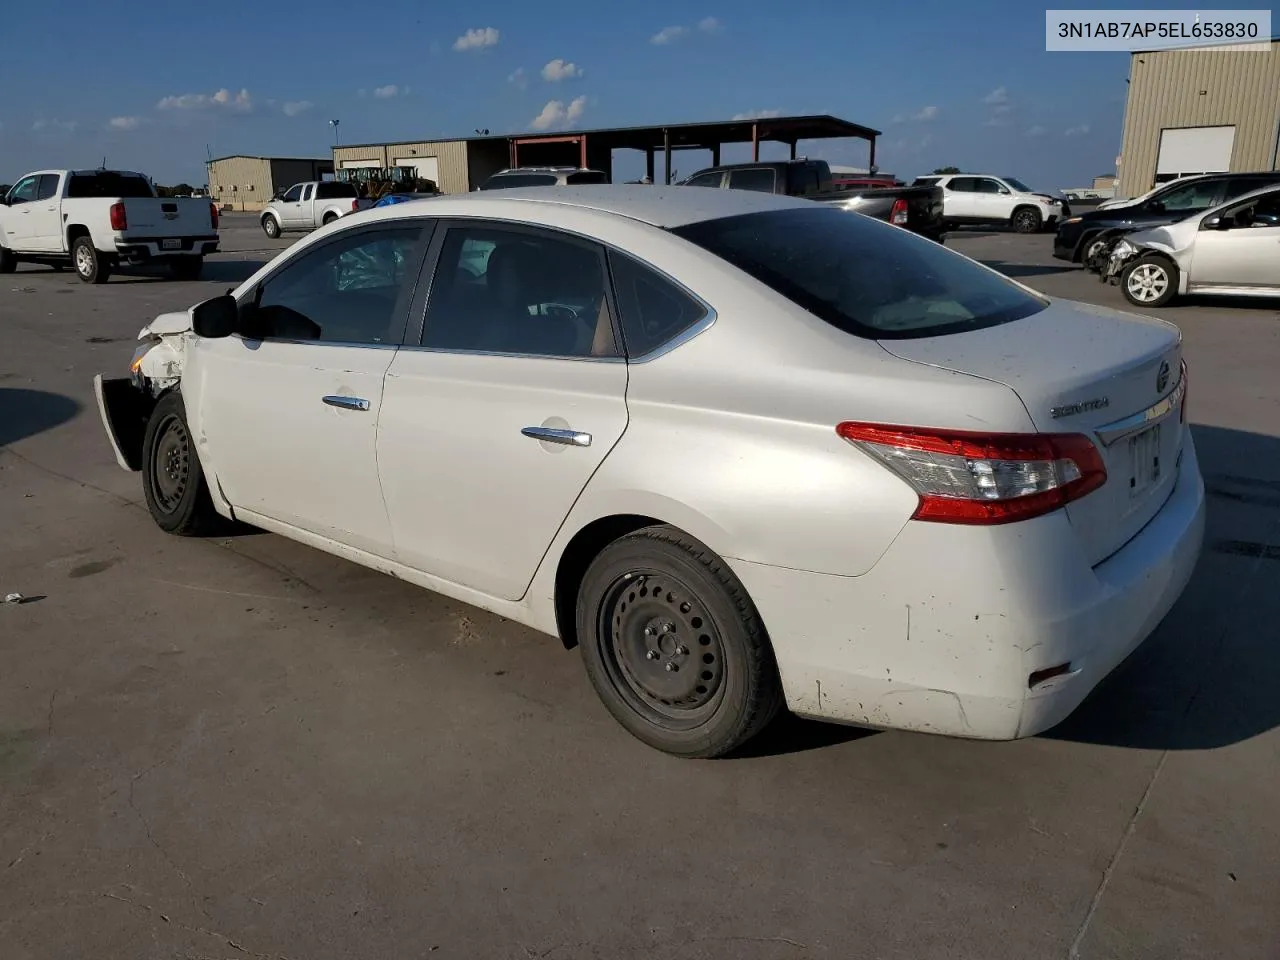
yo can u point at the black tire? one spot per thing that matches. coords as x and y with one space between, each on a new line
186 268
1151 276
91 266
271 227
1026 220
1092 246
328 219
636 639
8 262
172 481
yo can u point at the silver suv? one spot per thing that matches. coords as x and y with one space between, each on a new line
543 177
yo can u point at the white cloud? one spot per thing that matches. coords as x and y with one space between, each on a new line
558 70
710 25
518 77
926 114
55 126
223 99
556 114
1002 108
124 123
899 118
293 108
669 35
998 95
1037 131
756 114
477 38
387 92
1079 131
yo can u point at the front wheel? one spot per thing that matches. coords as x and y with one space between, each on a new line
1027 220
91 266
186 268
1150 281
172 481
271 226
674 646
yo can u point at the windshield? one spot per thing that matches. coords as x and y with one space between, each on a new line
866 278
1018 185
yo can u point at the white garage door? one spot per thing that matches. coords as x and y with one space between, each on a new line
428 167
361 164
1186 150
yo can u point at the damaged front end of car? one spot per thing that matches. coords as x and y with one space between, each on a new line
1118 255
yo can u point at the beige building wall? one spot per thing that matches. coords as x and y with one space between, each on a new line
341 154
1200 88
450 155
243 183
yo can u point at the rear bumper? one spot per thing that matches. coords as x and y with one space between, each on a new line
942 636
143 249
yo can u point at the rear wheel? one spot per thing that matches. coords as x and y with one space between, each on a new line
186 268
674 646
8 262
1026 220
328 219
271 226
1150 281
91 266
172 480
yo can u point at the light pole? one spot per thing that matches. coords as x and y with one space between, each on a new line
334 124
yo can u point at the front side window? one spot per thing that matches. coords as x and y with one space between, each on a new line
863 277
352 290
705 180
987 185
760 179
25 190
294 194
332 190
1200 195
653 310
517 292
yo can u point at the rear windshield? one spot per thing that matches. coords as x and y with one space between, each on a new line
334 190
507 180
866 278
105 183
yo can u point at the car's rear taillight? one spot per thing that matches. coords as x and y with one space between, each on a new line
983 478
1182 416
118 219
898 212
355 205
213 214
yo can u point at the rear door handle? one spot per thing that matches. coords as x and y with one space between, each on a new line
572 438
347 403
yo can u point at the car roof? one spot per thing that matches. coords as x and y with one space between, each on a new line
655 205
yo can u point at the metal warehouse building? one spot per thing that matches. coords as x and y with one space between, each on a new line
1199 111
457 166
249 183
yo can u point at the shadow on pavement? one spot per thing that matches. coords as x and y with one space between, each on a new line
1019 270
791 734
1208 676
24 413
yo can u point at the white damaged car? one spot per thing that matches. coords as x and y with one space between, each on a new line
1230 250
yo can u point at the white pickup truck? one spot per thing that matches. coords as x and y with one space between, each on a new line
305 206
97 220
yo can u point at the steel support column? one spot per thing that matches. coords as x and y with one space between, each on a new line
871 164
715 154
755 142
666 152
793 149
648 163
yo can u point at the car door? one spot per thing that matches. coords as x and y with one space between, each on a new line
1244 254
19 224
289 406
307 207
960 199
992 199
46 215
492 426
291 208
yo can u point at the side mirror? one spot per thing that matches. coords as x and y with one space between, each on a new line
1155 206
216 318
1215 223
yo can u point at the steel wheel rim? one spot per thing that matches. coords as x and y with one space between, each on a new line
84 262
1147 282
171 465
661 649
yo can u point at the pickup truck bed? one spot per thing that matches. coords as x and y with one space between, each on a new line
918 209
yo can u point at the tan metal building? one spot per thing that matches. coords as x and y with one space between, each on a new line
455 166
249 183
1199 111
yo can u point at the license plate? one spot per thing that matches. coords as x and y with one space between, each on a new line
170 244
1144 460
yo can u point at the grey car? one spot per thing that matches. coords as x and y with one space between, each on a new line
543 177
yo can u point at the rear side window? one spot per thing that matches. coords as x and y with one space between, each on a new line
804 178
760 179
653 310
863 277
105 183
963 184
48 186
333 190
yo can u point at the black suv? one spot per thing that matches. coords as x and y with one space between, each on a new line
1077 235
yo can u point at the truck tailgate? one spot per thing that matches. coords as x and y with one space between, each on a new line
160 217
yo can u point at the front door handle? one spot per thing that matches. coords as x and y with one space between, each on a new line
572 438
347 403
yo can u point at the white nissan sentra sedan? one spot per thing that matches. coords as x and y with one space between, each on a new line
745 451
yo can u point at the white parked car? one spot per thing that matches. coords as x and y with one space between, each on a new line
305 206
1230 250
744 450
97 220
981 199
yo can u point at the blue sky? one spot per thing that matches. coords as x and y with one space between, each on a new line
963 84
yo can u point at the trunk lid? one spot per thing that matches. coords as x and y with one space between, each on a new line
1078 368
160 217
